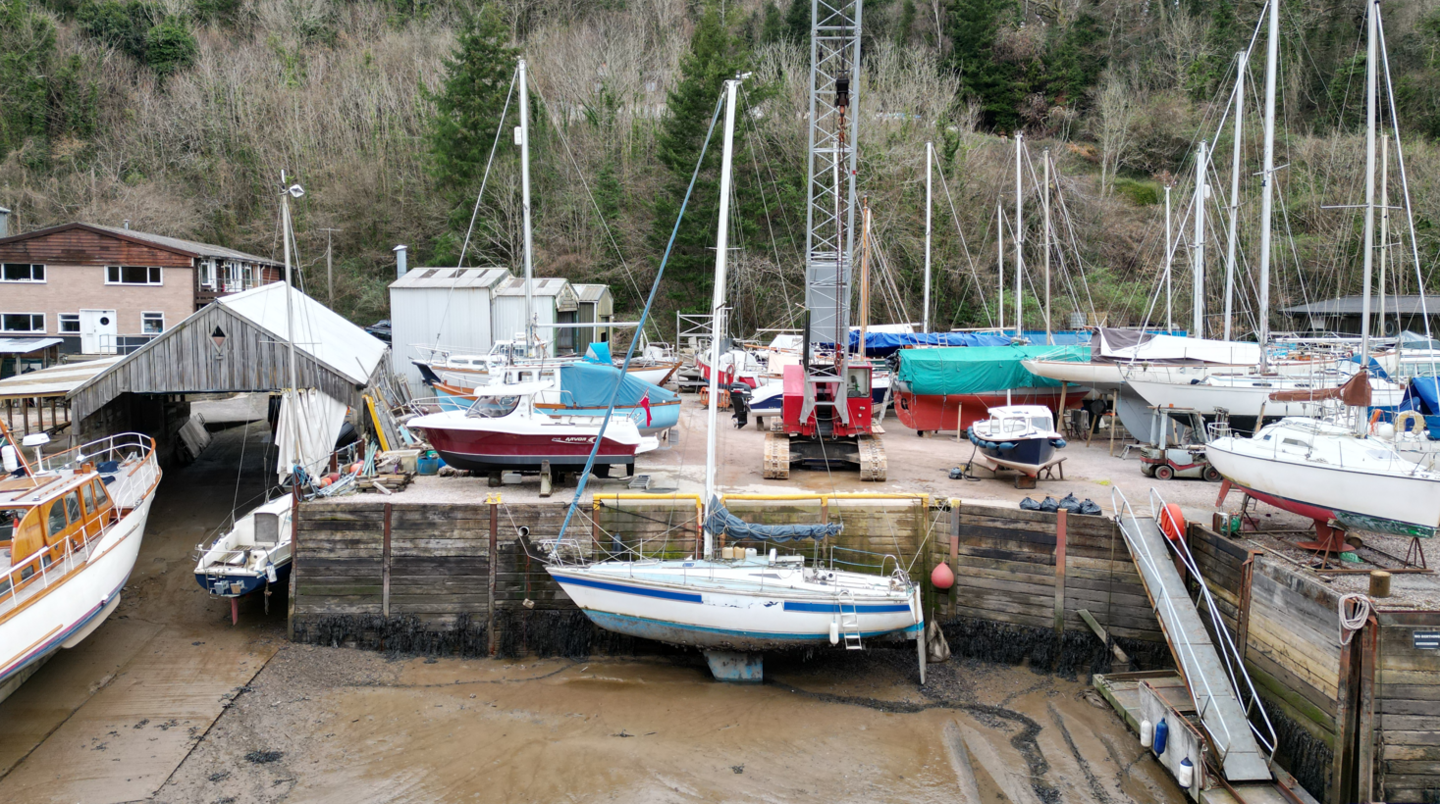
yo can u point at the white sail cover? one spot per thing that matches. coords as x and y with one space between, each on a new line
1117 345
318 419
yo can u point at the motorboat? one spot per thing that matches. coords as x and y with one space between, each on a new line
584 390
251 554
1019 437
70 528
503 431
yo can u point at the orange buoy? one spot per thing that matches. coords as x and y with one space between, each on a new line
941 577
1172 522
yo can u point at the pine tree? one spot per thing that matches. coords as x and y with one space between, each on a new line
469 103
715 55
973 26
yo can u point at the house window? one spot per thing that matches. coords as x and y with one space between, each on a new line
152 323
22 322
69 323
249 276
22 272
132 275
207 275
233 278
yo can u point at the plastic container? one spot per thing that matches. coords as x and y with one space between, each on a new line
428 463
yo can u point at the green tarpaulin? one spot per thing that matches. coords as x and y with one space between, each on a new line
978 369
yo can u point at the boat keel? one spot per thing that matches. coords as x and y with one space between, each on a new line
737 667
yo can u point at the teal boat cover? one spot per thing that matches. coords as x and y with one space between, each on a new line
949 371
589 385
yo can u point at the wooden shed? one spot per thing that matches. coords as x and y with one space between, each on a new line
595 305
236 344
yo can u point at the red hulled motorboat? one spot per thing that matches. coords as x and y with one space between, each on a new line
503 432
951 388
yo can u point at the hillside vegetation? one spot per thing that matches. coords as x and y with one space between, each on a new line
178 115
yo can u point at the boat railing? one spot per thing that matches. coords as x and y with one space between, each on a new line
120 447
17 584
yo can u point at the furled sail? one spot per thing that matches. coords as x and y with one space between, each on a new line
722 521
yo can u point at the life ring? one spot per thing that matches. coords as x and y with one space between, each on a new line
1172 522
1403 420
1375 417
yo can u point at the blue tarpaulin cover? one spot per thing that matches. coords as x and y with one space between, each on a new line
1424 395
1375 370
722 521
589 385
599 353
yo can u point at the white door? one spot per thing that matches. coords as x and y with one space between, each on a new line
98 332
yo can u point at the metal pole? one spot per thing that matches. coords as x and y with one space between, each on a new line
1197 321
1169 256
1045 247
1000 257
1385 241
1019 240
290 326
929 157
717 304
525 208
864 272
1267 178
329 268
1372 73
1244 58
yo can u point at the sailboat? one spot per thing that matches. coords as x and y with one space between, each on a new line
70 530
1335 471
734 606
255 551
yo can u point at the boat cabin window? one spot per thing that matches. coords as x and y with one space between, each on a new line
89 496
72 506
1012 425
1040 422
494 407
9 518
1295 442
55 523
100 497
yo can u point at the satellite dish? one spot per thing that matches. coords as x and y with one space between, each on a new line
295 191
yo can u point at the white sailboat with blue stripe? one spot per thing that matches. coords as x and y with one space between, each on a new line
742 602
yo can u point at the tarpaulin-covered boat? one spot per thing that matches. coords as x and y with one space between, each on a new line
952 388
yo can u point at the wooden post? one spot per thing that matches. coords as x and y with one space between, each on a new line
297 564
1060 414
1059 573
10 414
1369 639
954 549
1242 616
699 529
53 420
385 566
1114 413
494 562
1342 776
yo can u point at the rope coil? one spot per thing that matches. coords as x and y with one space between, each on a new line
1351 623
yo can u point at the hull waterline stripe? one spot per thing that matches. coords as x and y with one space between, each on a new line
664 594
834 608
797 637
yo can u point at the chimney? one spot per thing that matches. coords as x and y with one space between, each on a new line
127 223
400 267
4 222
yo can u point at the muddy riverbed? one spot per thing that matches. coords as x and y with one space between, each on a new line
169 702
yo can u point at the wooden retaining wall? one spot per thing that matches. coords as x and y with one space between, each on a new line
1358 721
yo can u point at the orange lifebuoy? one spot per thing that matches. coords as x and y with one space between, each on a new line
1172 522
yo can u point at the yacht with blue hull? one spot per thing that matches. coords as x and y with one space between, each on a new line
255 552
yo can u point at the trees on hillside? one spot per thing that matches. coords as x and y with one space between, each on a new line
468 105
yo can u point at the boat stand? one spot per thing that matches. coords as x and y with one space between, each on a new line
741 668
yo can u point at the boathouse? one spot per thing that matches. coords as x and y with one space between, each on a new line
235 344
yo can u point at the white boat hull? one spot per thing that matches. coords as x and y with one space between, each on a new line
680 613
1246 400
65 612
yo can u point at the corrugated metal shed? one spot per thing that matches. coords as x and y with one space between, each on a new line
555 302
447 307
596 304
332 354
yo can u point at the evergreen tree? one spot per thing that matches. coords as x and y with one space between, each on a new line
469 103
715 55
973 26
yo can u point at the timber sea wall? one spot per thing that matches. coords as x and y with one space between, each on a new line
1359 721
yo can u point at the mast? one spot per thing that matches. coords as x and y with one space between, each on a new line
1267 177
717 305
1000 257
294 391
1019 240
1197 326
1045 249
929 157
1244 59
1372 71
1169 257
525 209
1385 241
864 271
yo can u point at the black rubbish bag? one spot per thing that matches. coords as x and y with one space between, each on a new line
1089 507
1070 504
1028 504
1050 506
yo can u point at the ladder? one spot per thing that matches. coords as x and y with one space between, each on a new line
1213 672
849 621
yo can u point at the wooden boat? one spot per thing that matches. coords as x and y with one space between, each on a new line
70 529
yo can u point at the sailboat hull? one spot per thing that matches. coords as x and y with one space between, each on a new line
756 619
959 411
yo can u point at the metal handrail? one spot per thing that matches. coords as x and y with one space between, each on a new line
1141 552
1229 652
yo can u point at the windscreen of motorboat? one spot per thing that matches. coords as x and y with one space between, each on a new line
493 407
721 521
